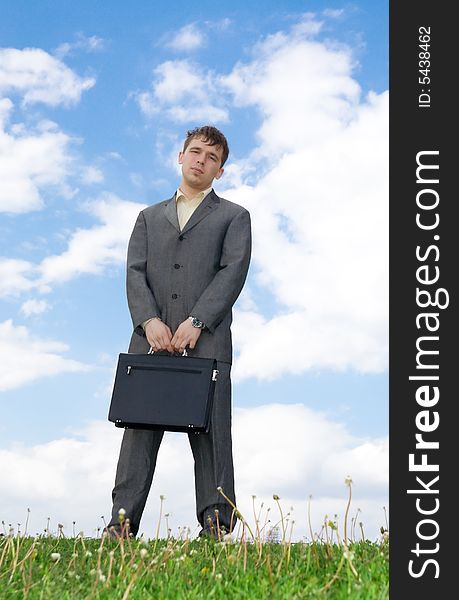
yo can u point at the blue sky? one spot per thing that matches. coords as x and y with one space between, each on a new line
95 99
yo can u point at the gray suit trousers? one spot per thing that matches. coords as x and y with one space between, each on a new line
213 464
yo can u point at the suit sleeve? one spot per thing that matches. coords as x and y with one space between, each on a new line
141 300
222 292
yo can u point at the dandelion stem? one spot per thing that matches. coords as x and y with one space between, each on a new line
363 534
159 521
309 520
385 516
276 498
348 482
238 514
27 521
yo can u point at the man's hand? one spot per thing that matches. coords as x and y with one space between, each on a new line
186 335
159 335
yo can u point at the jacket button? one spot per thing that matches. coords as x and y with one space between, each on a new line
181 238
174 296
176 266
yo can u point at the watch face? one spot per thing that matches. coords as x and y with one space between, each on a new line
196 322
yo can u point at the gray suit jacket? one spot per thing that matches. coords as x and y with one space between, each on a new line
199 271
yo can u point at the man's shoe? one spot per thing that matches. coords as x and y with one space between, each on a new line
114 532
224 536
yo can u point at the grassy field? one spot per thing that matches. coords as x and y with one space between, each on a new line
254 565
80 568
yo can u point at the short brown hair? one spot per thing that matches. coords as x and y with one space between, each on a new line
210 135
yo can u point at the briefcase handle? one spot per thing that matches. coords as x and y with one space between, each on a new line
215 372
151 351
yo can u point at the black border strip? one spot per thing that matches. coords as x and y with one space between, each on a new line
423 281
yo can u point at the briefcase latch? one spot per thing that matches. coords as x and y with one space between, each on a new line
214 374
128 369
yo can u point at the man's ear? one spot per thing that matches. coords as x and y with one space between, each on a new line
180 157
220 173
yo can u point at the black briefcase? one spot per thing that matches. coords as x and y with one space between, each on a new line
166 392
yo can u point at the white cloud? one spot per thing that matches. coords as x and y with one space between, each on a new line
136 179
298 111
90 251
176 79
206 113
30 161
333 13
321 250
34 158
308 25
40 77
26 358
83 42
283 449
296 342
90 175
114 156
15 276
34 307
221 25
182 93
317 190
189 37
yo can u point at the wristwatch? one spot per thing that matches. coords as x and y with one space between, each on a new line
196 323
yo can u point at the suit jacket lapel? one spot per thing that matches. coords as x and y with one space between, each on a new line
209 204
170 212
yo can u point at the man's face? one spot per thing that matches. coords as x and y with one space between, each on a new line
201 164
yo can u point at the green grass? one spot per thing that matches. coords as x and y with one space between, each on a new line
253 565
81 568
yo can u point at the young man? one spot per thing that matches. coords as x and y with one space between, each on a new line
187 261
